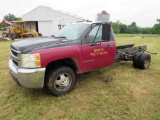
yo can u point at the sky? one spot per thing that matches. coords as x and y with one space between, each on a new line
143 12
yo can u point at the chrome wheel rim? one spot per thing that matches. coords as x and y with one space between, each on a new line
146 63
63 82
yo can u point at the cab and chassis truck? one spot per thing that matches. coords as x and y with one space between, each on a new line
54 62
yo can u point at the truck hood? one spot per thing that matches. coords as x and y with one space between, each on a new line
32 44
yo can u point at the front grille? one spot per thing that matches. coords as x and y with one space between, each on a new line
15 56
14 53
15 62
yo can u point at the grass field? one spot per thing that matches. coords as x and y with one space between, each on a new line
132 94
0 33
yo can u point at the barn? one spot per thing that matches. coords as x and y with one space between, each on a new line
47 21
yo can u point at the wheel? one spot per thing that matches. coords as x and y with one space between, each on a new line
61 81
14 36
4 34
39 34
9 35
136 59
30 36
144 61
52 36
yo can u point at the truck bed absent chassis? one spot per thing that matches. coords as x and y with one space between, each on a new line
127 52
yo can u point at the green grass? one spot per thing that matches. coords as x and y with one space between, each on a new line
0 33
132 94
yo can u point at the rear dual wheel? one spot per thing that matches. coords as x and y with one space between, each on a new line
141 60
136 59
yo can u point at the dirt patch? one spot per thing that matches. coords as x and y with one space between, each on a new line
158 67
105 78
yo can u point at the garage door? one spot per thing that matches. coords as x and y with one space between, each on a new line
45 28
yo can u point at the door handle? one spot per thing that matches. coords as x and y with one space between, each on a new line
108 46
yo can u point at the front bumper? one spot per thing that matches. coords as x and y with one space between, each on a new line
28 78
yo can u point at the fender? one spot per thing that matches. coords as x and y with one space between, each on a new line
54 54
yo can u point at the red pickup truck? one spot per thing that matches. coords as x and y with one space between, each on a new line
53 62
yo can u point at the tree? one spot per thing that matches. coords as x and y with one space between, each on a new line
19 19
116 27
123 28
119 27
10 17
156 28
133 28
158 20
146 30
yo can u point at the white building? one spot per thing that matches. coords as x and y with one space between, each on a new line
47 21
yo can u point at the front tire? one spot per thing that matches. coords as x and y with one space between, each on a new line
61 81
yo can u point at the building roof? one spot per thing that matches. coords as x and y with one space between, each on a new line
58 11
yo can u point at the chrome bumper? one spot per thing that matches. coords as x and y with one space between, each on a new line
28 78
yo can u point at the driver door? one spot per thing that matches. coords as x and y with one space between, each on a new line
97 53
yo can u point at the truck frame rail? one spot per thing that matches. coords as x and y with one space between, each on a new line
127 52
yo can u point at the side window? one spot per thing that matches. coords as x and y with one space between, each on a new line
96 30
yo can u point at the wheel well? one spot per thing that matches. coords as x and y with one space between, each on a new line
63 62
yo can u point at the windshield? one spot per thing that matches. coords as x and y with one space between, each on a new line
72 31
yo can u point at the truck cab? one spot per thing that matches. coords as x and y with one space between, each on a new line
77 48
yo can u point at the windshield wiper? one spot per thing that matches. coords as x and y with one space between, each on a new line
60 37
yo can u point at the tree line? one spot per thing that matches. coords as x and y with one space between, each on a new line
120 28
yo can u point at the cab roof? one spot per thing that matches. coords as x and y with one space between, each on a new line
90 22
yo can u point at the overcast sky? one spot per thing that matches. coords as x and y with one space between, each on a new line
143 12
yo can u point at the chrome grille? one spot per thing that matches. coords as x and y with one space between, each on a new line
14 53
15 56
15 62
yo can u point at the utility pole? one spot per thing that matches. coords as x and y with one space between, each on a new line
158 20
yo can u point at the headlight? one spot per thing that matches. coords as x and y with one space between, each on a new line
30 60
